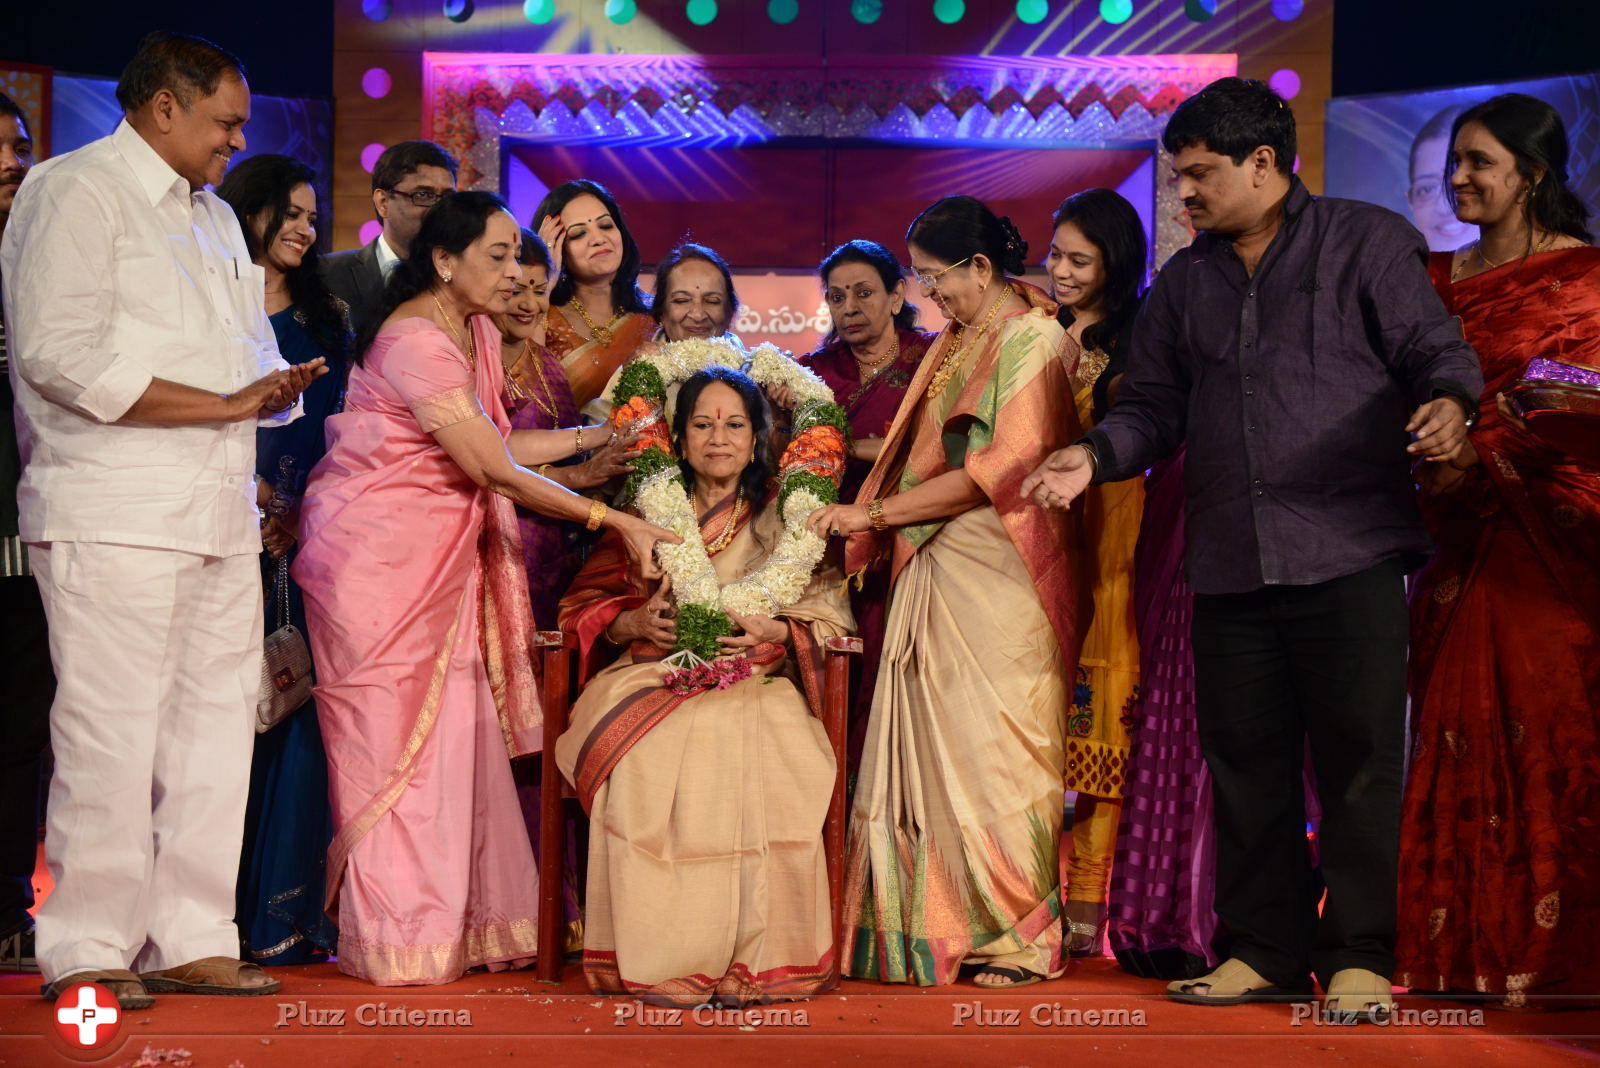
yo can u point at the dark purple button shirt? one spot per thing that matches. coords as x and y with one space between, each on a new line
1292 388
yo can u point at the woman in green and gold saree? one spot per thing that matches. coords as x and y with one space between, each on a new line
956 826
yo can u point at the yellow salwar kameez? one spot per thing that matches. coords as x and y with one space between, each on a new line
1106 688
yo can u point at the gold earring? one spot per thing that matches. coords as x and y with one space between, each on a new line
445 278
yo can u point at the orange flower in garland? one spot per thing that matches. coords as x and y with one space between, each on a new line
820 449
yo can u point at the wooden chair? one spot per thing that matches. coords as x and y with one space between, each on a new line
555 652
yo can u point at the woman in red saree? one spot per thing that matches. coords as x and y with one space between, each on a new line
707 881
868 360
1500 848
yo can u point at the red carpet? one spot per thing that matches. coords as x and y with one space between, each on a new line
495 1018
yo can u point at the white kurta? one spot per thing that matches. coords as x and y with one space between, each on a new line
144 542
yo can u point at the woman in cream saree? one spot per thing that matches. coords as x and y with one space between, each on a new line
956 825
707 880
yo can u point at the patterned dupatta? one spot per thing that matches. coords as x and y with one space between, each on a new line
1011 406
609 586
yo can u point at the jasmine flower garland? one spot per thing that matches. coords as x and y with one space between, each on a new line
809 477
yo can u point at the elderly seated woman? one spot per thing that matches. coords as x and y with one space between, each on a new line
706 874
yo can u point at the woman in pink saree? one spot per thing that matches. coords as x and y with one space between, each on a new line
418 613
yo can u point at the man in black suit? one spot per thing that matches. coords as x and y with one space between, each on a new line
409 178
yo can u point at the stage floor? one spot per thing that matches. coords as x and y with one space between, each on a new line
323 1017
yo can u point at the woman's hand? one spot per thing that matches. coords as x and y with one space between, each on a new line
780 396
1438 479
1466 457
554 236
649 622
866 449
1509 414
640 538
276 537
757 629
839 519
605 463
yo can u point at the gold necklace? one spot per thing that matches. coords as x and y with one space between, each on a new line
600 333
470 348
876 369
729 528
887 358
546 397
961 346
1477 250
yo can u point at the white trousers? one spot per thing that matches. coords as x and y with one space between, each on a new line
158 663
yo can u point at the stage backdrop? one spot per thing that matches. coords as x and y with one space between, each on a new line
1390 149
775 160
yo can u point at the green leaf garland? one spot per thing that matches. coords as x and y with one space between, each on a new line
699 627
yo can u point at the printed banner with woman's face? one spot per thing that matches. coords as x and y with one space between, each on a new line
1392 149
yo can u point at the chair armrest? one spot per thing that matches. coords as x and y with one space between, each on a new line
554 639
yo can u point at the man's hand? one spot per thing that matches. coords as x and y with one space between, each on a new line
294 383
1440 427
1061 479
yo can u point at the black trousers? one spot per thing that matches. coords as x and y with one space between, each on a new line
1279 672
27 686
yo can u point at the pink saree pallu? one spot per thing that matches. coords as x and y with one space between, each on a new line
418 610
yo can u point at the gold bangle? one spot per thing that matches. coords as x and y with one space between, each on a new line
577 440
597 514
875 513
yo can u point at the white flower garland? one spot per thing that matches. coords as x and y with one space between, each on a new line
817 452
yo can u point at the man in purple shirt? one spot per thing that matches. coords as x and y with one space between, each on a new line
1299 349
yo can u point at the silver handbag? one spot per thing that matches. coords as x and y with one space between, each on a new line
285 662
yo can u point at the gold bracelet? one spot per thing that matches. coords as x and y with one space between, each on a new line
597 514
875 513
577 440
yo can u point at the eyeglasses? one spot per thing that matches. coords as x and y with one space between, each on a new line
422 198
930 282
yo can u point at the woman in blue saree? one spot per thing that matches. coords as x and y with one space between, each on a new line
288 824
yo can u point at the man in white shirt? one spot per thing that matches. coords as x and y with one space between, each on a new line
409 178
143 361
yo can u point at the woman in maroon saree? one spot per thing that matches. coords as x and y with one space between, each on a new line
538 397
868 359
1500 848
